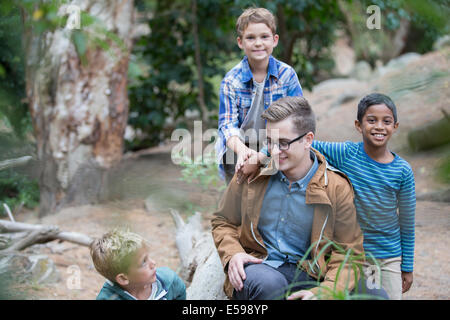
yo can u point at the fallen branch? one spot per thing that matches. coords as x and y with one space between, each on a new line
43 232
37 236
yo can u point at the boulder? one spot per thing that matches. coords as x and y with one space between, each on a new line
362 71
398 63
442 42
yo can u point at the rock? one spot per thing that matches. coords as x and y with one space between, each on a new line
362 71
332 93
36 268
442 42
344 98
437 195
398 63
344 57
339 84
430 135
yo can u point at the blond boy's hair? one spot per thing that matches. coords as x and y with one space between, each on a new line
255 15
113 253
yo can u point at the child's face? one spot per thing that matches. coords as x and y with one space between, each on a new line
142 271
258 42
377 125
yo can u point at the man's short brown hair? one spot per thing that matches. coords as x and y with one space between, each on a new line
255 15
296 107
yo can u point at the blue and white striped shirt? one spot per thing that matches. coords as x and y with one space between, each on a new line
380 189
237 93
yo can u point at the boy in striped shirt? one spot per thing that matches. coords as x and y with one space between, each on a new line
384 187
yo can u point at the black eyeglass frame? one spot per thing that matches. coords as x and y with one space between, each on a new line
288 143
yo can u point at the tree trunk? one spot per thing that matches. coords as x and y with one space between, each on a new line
198 64
288 37
79 111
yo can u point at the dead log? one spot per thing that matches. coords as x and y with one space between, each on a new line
36 236
40 233
201 267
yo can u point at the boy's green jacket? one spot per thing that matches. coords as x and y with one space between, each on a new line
170 287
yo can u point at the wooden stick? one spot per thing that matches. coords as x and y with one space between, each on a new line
9 212
36 236
74 237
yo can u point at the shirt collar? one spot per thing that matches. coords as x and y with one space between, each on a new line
247 74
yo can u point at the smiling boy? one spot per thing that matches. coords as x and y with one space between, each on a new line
123 258
249 88
384 191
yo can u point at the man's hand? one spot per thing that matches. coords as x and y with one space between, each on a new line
407 280
236 271
303 295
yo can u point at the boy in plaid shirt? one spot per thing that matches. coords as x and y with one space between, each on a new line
248 89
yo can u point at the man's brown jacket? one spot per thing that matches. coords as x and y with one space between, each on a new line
235 225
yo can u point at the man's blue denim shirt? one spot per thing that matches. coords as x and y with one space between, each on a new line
286 220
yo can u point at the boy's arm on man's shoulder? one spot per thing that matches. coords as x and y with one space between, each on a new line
407 212
334 152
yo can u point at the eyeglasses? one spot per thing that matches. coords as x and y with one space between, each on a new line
283 145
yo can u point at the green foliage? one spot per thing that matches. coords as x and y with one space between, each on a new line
13 108
351 259
203 171
443 169
427 21
160 98
170 87
16 188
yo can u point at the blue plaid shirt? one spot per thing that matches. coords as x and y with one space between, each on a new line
237 93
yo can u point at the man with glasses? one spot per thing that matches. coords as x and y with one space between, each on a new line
278 235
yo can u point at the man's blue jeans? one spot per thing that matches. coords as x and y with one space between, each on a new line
264 282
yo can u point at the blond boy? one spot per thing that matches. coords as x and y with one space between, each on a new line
123 258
